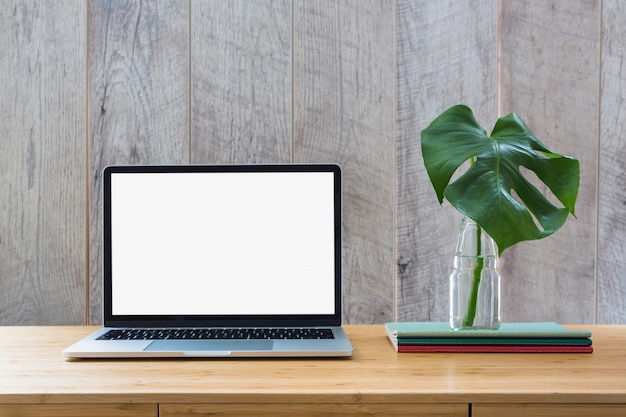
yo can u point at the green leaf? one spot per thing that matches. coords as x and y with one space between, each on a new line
484 191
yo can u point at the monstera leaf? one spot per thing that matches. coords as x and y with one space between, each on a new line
494 191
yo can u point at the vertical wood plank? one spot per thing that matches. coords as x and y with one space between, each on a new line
550 77
241 81
344 113
42 162
612 181
447 54
139 99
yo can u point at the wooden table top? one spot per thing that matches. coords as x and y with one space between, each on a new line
33 370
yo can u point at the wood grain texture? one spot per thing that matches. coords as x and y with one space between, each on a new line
447 54
42 162
86 84
139 99
344 74
550 77
79 410
313 410
241 81
34 372
548 410
612 181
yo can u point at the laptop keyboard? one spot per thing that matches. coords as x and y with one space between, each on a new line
225 333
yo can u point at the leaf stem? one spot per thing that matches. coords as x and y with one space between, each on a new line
472 301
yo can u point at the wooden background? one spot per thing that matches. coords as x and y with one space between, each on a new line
84 84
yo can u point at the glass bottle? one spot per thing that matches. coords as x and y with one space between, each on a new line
475 281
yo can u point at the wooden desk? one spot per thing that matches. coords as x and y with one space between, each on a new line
36 380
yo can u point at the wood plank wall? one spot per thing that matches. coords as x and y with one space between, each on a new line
84 84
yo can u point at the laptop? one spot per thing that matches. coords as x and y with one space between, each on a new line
220 261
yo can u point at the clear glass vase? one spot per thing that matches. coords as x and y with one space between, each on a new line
475 281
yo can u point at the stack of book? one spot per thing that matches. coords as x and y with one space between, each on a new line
510 337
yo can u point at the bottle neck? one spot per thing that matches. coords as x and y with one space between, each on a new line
474 242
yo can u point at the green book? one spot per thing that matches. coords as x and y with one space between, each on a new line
549 330
507 341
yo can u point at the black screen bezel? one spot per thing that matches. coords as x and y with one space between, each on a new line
111 320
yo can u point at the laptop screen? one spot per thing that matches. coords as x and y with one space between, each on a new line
222 245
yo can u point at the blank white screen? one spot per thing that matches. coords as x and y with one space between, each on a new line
222 243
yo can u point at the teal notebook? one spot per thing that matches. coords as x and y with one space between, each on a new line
510 341
404 330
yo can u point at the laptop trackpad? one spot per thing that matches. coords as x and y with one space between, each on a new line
208 345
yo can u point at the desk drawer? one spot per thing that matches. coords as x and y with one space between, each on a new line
310 410
549 410
78 410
